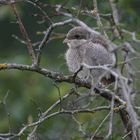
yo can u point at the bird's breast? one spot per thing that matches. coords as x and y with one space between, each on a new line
73 59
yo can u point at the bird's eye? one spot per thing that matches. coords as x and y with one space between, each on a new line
77 36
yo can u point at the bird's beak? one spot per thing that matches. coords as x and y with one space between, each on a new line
66 40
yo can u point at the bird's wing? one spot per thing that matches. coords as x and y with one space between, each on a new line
96 54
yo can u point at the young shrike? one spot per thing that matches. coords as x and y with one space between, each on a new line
90 49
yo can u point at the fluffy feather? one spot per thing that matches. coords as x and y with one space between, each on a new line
90 49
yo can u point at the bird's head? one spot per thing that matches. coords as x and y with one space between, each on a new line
76 36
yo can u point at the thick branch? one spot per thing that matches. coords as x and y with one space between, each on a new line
59 77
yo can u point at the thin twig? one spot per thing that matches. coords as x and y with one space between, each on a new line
103 121
99 23
24 33
46 38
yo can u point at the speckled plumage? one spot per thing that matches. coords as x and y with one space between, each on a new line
87 48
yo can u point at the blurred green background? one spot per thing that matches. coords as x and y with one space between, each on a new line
30 92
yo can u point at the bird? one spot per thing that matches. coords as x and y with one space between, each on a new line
88 48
